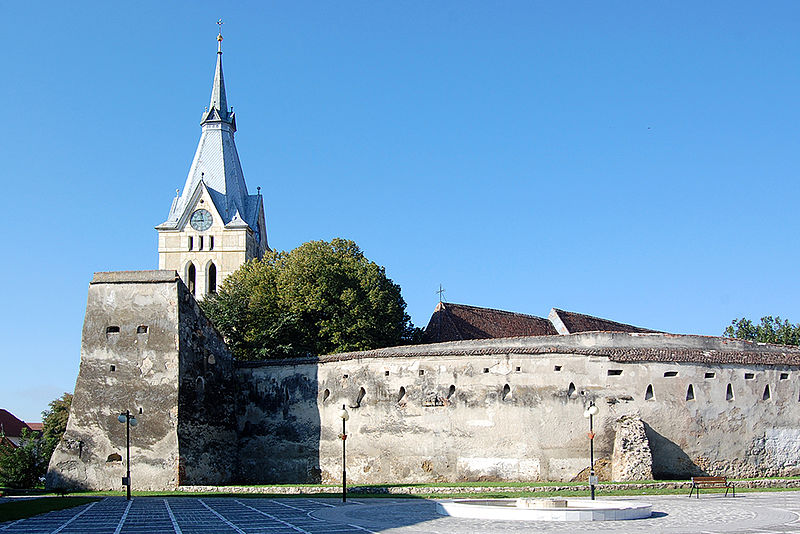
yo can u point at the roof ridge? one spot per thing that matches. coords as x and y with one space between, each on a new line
493 309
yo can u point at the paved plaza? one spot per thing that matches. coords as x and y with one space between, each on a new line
761 513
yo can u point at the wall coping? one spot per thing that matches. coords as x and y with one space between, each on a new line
134 277
617 346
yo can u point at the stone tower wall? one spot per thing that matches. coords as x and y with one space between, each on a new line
144 347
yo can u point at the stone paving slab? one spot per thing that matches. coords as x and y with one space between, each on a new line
751 513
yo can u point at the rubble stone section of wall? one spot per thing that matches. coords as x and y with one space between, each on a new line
631 459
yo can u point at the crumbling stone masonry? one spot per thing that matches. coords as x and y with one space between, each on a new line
631 459
497 409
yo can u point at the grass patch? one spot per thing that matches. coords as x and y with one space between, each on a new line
22 508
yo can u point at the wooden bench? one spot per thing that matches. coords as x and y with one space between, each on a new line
711 482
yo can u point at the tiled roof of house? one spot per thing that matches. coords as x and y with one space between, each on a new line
10 425
572 323
454 322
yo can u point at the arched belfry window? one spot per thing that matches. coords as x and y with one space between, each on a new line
212 278
191 277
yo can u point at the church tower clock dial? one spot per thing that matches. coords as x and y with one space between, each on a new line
201 220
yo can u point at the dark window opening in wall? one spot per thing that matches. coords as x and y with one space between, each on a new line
711 375
749 376
506 391
729 393
648 395
361 393
766 394
386 373
345 376
614 372
141 329
485 369
200 243
114 457
211 242
690 393
191 243
571 390
112 330
421 372
517 369
784 376
326 394
401 395
451 391
670 374
557 368
141 411
212 278
191 277
113 368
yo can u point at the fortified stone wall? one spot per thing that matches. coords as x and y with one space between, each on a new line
498 409
512 409
146 348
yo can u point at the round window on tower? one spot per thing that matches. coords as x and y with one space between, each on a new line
201 220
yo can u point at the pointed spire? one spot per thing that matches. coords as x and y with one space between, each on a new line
218 107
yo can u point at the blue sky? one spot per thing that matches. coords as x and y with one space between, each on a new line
633 160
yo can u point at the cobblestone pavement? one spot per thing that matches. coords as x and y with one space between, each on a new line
751 513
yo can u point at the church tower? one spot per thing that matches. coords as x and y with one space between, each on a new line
214 224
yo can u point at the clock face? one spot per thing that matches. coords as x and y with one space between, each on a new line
201 220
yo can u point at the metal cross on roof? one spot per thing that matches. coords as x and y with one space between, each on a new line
441 292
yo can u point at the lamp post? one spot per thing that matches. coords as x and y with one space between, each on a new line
345 416
590 412
129 421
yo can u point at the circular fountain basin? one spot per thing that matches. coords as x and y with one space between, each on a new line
545 509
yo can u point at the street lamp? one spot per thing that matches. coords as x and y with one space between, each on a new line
590 412
343 436
129 421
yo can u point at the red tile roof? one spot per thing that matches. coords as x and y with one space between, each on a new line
579 322
455 322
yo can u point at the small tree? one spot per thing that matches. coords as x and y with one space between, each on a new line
770 330
21 467
54 423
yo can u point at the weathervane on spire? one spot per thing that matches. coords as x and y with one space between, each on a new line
219 36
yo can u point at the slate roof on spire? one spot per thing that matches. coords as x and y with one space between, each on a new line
219 101
216 165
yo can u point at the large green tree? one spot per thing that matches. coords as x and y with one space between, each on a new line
320 298
769 330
